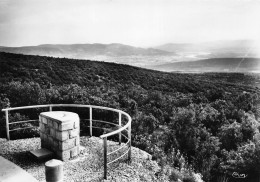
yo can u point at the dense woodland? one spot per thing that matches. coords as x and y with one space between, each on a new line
207 123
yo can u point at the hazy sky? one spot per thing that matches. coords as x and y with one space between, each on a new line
133 22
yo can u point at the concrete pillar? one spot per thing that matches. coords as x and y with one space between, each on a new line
54 171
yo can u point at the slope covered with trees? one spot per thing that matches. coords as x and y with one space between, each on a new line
208 123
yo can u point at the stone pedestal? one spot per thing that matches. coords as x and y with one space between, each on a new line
59 132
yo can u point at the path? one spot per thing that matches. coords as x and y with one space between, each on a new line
10 172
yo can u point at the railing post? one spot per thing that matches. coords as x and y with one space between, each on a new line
7 125
90 121
105 157
120 124
50 108
129 138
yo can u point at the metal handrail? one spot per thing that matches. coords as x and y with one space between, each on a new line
119 157
119 148
121 128
21 128
28 121
101 121
24 107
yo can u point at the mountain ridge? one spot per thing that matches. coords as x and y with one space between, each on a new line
222 48
214 65
158 57
83 51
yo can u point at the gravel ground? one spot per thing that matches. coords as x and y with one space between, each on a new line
88 166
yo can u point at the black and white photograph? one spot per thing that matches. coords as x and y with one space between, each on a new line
130 90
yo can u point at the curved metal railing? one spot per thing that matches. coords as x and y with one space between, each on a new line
119 130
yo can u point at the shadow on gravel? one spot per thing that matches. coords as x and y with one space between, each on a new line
25 159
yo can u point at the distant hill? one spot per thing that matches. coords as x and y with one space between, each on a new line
84 51
167 57
216 49
214 65
58 71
